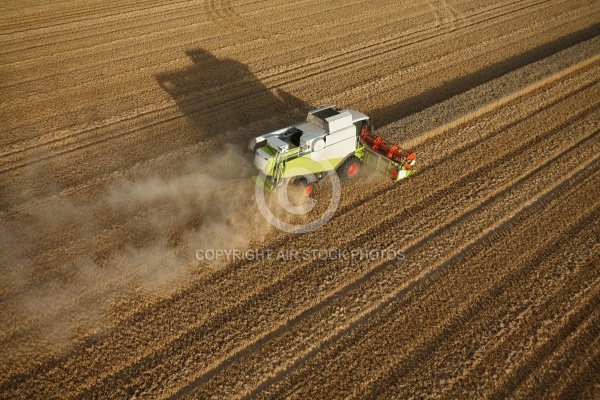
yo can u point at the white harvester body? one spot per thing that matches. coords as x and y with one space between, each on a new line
330 139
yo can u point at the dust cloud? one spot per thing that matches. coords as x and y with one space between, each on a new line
71 269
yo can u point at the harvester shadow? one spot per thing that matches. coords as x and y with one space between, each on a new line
222 97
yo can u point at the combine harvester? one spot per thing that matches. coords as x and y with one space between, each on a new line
329 140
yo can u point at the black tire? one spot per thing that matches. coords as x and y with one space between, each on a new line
350 168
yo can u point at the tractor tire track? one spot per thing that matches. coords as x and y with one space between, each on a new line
235 279
108 138
529 210
571 355
280 343
325 276
90 110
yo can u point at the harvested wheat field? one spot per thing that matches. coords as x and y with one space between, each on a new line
123 157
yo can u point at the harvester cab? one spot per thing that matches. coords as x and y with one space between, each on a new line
329 140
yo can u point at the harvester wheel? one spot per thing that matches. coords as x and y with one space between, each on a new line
308 188
350 168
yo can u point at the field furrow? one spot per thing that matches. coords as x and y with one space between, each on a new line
335 272
123 153
293 341
356 364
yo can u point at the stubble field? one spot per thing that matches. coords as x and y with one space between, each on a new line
122 152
